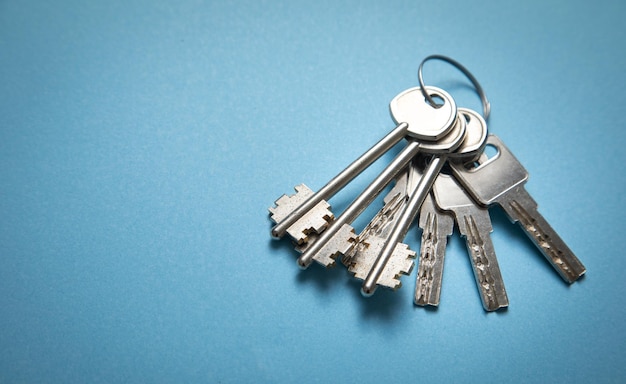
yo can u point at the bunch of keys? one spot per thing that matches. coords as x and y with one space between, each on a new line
443 176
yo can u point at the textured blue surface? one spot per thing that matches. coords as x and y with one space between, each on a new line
141 143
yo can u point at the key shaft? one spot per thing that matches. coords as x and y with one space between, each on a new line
343 178
361 202
407 215
361 258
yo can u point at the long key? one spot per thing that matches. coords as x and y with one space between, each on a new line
341 180
501 181
474 225
430 121
418 119
445 146
437 225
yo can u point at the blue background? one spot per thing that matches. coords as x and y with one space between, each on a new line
141 143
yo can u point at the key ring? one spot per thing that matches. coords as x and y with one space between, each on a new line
466 72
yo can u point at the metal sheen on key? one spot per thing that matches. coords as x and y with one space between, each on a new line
436 132
501 181
319 250
447 146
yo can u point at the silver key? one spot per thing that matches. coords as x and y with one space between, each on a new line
436 227
320 251
370 241
501 181
418 122
341 180
441 149
472 144
474 224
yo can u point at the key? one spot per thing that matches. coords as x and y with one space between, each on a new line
436 225
474 225
418 120
359 261
440 152
320 251
501 181
468 146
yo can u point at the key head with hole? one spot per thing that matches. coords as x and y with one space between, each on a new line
490 180
426 123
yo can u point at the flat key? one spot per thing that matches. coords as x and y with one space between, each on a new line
501 181
320 250
436 227
474 225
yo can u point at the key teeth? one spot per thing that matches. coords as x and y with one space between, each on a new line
286 204
363 257
401 263
341 243
310 224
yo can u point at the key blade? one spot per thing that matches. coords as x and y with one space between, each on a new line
475 226
521 208
436 227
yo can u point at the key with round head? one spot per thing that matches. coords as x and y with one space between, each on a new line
501 181
419 120
439 152
324 250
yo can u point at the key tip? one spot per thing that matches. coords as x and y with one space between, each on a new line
303 264
367 291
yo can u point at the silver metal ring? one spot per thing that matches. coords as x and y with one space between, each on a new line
466 72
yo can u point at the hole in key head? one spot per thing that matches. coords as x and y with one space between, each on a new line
490 153
439 101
